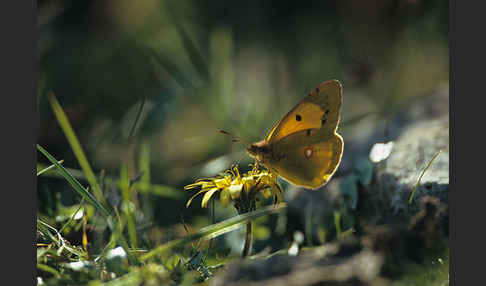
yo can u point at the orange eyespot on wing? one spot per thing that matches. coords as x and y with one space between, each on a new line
320 109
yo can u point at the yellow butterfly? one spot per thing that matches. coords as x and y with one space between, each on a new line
303 147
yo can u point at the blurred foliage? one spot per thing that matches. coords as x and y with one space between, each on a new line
146 85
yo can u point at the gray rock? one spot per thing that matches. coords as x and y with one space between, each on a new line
340 263
430 107
397 176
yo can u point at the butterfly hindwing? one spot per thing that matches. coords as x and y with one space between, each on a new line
307 161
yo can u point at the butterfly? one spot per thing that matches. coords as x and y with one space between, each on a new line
303 147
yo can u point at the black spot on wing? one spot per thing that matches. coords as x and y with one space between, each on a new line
298 117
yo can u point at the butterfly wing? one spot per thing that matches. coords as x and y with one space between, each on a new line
319 109
307 160
305 148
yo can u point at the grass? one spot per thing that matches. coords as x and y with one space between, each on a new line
59 260
75 183
112 248
421 175
75 145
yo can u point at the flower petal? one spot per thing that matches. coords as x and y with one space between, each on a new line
224 197
235 190
190 200
248 183
192 186
207 196
222 182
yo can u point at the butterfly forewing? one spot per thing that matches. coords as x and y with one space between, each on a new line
318 110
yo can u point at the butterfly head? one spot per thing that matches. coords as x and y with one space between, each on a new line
258 150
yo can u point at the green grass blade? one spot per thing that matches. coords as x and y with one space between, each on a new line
354 120
43 251
45 229
137 118
159 190
53 173
337 223
194 55
59 240
171 69
72 216
421 175
216 229
118 236
144 161
127 210
75 145
42 171
74 183
49 269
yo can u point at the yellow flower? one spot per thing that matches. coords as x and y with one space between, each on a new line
231 186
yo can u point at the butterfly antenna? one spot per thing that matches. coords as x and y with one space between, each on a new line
234 139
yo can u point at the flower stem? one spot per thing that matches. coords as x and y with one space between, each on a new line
247 246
